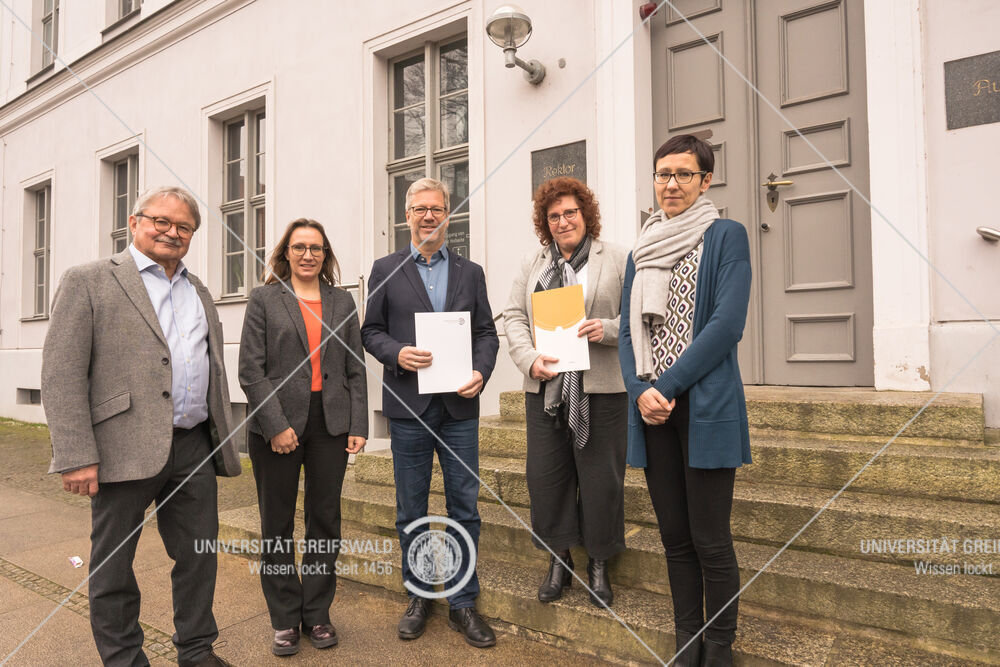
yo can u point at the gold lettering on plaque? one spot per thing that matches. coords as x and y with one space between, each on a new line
987 86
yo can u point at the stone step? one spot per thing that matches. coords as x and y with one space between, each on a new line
844 410
772 514
955 472
957 608
508 598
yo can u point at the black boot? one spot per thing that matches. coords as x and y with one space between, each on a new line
557 579
597 573
717 655
690 657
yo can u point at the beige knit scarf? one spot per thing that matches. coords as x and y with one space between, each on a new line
661 244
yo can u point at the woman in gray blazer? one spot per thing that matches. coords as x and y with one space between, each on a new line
301 369
576 421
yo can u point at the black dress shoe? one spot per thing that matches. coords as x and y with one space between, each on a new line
558 578
717 655
471 624
691 656
286 642
413 622
597 573
323 635
210 660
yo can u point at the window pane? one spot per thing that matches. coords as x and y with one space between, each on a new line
40 300
259 243
47 37
121 213
133 170
454 67
401 237
410 134
234 273
235 176
234 221
455 120
121 179
120 244
259 150
456 176
40 270
234 140
408 82
47 7
400 183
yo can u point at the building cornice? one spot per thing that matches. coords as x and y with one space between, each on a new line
151 35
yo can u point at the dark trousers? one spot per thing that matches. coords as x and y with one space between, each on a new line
187 521
297 597
693 507
578 495
413 448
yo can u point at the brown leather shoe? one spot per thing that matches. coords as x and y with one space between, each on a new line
323 635
286 642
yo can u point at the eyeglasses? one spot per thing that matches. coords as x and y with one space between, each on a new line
682 177
299 250
437 211
569 214
163 225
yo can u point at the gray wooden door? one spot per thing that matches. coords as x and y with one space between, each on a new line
810 320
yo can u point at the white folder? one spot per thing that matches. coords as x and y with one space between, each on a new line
448 337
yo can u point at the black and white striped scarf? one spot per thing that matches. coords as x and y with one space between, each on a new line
566 389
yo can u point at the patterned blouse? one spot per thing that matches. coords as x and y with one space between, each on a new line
671 338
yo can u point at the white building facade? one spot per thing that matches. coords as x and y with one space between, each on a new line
271 111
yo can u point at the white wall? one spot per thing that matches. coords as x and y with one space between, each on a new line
962 168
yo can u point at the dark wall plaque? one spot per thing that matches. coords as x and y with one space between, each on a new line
972 90
566 160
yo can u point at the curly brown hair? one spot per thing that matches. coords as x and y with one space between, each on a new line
550 191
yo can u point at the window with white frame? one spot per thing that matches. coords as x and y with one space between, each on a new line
41 196
429 133
243 202
50 31
125 177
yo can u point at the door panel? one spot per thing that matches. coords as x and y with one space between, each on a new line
810 320
693 91
816 257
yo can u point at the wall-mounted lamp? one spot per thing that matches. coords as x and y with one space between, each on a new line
509 28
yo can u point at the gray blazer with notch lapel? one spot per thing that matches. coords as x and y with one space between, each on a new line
273 347
602 300
106 376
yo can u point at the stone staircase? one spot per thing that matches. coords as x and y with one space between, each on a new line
836 596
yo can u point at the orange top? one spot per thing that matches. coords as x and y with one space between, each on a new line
312 313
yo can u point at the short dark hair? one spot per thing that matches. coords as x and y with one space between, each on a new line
688 143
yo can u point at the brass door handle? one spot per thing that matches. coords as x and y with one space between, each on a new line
774 184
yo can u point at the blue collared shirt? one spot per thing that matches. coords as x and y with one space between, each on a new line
182 319
434 274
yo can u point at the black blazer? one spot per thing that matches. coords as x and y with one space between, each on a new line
389 327
274 343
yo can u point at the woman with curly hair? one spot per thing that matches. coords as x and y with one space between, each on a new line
576 421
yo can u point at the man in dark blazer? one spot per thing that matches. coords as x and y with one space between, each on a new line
134 390
426 277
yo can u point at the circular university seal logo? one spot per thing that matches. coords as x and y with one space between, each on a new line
435 557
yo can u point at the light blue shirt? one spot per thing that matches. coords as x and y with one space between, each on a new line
182 319
434 274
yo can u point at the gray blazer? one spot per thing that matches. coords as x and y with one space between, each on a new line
602 299
106 376
272 348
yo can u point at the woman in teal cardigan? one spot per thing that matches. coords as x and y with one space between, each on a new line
684 305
